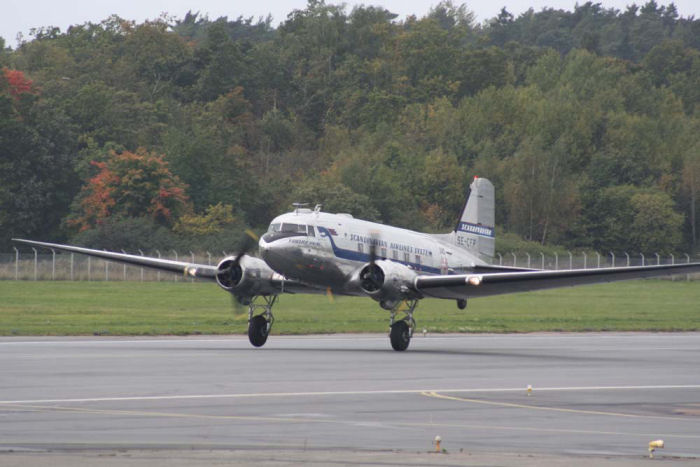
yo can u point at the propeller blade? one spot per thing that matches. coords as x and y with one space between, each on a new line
247 243
374 239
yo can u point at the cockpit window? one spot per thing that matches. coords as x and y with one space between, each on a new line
296 228
288 228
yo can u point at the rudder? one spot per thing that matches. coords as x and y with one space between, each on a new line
475 231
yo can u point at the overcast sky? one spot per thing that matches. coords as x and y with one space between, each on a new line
22 15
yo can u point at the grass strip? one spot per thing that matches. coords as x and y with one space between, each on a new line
180 308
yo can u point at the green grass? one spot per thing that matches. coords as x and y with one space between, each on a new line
133 308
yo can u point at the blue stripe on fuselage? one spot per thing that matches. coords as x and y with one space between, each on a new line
364 257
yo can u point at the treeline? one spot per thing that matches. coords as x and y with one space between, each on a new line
181 132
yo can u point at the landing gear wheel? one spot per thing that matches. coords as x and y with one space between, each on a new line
257 331
400 335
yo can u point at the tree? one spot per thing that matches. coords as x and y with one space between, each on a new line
130 184
212 221
626 218
36 150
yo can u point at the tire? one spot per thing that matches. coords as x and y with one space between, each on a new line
257 331
400 336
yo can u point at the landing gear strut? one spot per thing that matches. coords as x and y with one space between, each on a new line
259 325
401 331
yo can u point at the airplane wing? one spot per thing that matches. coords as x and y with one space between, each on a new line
496 283
202 271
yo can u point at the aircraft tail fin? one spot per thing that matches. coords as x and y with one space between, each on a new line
475 231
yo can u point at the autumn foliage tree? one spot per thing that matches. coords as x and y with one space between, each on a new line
17 83
131 185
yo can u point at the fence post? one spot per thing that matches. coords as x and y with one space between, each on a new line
556 260
642 255
628 259
35 262
208 258
613 258
176 276
585 260
673 259
106 269
528 259
542 254
687 257
598 254
515 259
124 252
658 259
500 259
16 263
89 268
571 260
141 252
192 255
158 273
53 264
71 265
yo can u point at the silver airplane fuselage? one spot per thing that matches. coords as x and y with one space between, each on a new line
328 249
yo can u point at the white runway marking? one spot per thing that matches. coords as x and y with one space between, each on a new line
346 393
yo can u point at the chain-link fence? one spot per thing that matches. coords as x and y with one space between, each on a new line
23 265
38 265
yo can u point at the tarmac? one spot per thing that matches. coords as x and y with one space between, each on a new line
595 398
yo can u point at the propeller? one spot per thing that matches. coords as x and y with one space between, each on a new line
248 241
372 276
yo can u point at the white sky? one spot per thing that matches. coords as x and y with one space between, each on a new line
22 15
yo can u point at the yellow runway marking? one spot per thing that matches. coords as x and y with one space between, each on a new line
383 423
342 393
551 409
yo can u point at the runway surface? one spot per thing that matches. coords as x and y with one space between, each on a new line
604 395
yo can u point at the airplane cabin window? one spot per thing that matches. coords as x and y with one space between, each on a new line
312 233
359 247
406 257
382 253
417 259
395 254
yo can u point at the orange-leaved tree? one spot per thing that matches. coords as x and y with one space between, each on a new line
17 83
131 184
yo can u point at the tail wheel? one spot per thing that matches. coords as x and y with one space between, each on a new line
258 330
400 335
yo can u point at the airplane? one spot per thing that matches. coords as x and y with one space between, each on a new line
311 251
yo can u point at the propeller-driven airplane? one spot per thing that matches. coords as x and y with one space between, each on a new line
310 251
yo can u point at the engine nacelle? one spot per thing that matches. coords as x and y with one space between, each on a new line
251 276
388 282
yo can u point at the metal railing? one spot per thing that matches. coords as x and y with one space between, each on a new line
34 264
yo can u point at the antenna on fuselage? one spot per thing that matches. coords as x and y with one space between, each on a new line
317 208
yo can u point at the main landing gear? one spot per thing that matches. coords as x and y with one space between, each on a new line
401 331
259 325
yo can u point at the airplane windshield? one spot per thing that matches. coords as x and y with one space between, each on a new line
296 228
291 228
